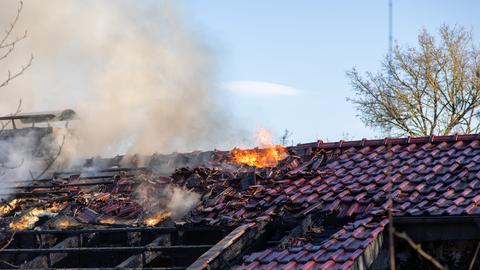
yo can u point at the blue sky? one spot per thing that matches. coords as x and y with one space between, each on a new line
293 55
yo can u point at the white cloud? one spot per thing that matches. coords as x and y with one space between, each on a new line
260 88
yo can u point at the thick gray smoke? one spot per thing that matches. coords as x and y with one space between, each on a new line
140 81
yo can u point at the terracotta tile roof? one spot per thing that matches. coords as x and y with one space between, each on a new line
431 176
341 251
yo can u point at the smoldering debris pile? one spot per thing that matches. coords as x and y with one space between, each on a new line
133 198
248 194
219 192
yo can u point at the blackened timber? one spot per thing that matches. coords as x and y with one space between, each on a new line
116 268
39 194
93 177
104 249
140 260
132 169
65 185
231 247
47 260
115 230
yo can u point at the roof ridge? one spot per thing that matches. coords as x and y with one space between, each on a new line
390 140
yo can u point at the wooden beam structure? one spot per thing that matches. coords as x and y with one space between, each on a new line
230 247
143 259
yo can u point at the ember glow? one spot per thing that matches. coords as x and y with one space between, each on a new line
110 221
267 155
62 224
66 222
28 220
8 207
157 218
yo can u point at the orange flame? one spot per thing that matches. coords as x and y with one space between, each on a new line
267 155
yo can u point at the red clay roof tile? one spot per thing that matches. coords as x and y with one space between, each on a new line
336 252
434 175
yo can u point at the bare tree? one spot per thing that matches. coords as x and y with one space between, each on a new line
7 46
8 43
432 89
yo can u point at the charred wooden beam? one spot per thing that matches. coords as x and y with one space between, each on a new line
65 185
115 230
103 171
93 177
38 194
230 247
67 250
46 261
140 260
115 268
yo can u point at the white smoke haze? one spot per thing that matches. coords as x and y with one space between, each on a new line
180 201
139 79
13 163
23 157
141 82
177 200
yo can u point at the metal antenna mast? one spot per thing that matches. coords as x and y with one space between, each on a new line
391 228
390 30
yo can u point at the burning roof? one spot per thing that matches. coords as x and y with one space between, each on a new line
322 204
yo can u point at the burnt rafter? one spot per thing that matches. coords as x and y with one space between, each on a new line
105 249
146 257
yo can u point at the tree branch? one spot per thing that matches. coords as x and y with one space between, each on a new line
419 250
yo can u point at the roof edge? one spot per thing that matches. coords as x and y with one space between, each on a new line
388 140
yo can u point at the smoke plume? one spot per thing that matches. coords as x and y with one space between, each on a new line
24 155
139 79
